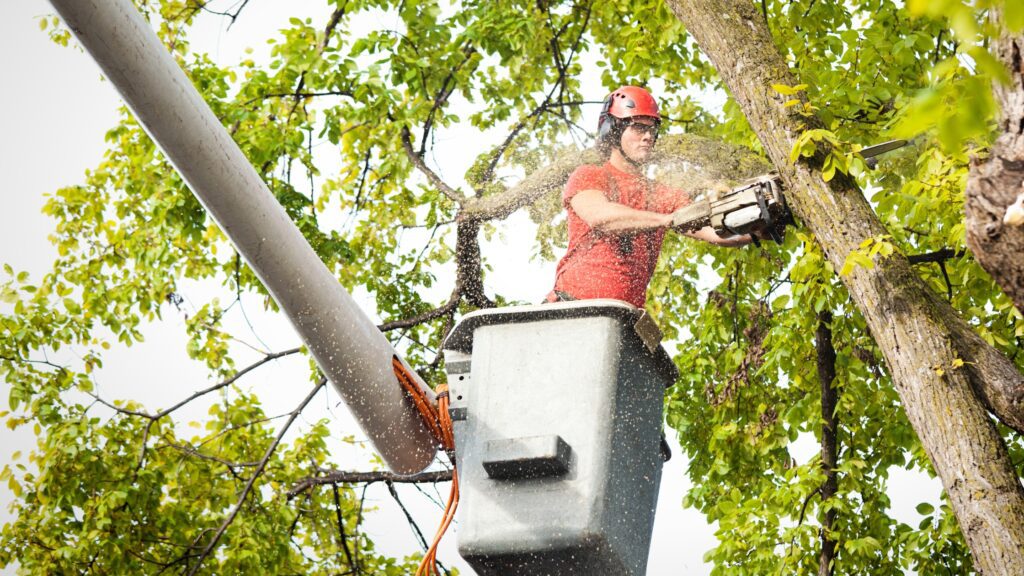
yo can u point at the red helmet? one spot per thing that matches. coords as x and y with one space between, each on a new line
622 104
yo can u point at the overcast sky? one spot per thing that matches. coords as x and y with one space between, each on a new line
56 109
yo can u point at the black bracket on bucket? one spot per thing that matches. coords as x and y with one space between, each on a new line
529 457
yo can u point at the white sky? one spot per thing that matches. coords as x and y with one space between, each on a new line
56 110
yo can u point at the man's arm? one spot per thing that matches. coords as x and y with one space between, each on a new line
603 215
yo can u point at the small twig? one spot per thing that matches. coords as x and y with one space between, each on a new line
945 277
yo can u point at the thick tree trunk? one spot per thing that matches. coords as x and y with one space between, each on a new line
919 334
997 182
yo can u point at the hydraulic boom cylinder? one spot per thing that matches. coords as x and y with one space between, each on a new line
346 344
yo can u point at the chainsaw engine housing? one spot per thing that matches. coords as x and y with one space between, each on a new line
757 204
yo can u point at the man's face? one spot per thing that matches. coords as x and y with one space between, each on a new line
638 138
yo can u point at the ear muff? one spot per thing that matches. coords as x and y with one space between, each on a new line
604 121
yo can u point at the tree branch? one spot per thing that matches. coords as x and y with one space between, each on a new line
994 180
418 162
442 96
469 270
829 443
341 529
444 309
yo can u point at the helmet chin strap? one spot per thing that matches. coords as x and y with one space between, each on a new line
626 157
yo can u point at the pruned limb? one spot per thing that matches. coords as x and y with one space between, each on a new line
678 157
255 475
996 182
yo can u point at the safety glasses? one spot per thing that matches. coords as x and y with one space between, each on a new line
642 128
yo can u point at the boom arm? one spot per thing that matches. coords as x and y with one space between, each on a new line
349 348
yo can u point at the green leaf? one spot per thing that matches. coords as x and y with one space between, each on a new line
1013 16
789 90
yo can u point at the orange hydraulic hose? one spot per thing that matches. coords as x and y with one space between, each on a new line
439 422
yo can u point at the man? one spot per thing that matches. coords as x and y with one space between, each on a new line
617 216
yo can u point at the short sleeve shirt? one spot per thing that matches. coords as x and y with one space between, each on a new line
604 265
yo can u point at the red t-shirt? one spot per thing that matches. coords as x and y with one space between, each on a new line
615 266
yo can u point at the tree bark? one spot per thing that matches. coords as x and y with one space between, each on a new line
922 338
997 182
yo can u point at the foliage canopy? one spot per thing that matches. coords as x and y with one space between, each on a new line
346 123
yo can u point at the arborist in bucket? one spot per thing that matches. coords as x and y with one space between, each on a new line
617 216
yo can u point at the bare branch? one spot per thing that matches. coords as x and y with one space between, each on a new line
408 517
231 15
256 474
297 94
215 387
342 477
417 161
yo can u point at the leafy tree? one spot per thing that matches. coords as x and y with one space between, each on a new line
914 341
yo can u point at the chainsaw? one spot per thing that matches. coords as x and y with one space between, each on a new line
757 205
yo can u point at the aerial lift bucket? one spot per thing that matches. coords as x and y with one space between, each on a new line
557 412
